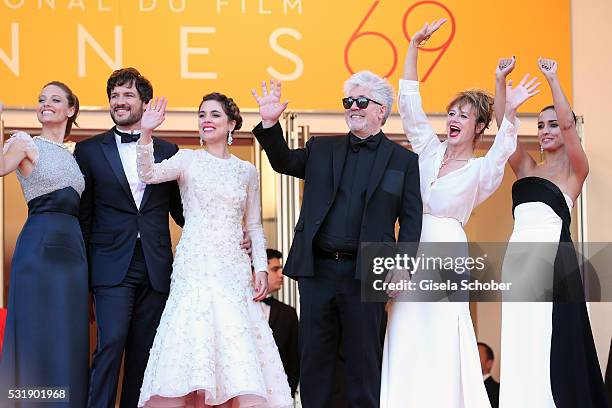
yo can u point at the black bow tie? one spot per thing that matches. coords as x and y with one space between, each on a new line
127 137
356 143
268 301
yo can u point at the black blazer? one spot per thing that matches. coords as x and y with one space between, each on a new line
492 387
393 191
284 324
110 220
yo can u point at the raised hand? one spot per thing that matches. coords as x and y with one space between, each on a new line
548 67
421 36
505 67
154 114
270 107
515 97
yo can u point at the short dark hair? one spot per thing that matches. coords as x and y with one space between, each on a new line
229 107
273 254
73 102
489 350
552 107
128 77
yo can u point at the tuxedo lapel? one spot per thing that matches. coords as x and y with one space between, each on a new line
383 153
109 147
338 157
158 157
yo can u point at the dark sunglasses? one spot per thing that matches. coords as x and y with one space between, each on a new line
362 102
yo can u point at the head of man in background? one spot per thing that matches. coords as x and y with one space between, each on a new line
275 270
487 358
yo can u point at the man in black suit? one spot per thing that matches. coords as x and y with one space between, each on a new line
356 186
487 359
283 320
126 229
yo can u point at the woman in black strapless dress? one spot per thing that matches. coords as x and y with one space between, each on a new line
548 357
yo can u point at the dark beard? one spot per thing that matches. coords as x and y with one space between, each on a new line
134 117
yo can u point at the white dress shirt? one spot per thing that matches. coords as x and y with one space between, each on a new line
127 153
266 310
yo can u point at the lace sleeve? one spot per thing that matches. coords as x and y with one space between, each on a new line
252 221
419 131
169 169
494 162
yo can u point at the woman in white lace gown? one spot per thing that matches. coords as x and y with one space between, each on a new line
213 346
430 356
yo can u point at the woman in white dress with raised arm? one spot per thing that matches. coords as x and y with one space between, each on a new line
430 356
213 346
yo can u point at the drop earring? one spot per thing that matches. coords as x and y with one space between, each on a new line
201 142
230 139
541 153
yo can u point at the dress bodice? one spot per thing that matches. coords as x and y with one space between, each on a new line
457 193
538 202
220 197
54 169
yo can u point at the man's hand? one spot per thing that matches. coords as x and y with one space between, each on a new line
396 276
270 107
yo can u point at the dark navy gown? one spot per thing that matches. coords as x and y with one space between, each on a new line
46 341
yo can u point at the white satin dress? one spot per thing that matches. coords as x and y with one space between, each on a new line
430 355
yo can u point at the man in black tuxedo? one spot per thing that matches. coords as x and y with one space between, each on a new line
283 321
356 186
126 231
487 359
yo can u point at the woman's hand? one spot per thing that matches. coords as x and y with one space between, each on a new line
421 36
270 107
515 97
152 117
410 65
505 67
548 67
261 285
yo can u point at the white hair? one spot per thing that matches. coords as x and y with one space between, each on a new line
381 89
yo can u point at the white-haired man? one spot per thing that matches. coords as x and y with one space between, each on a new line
356 187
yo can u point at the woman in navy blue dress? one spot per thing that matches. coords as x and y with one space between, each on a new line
46 341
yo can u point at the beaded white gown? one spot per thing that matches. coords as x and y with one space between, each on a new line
430 356
213 342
